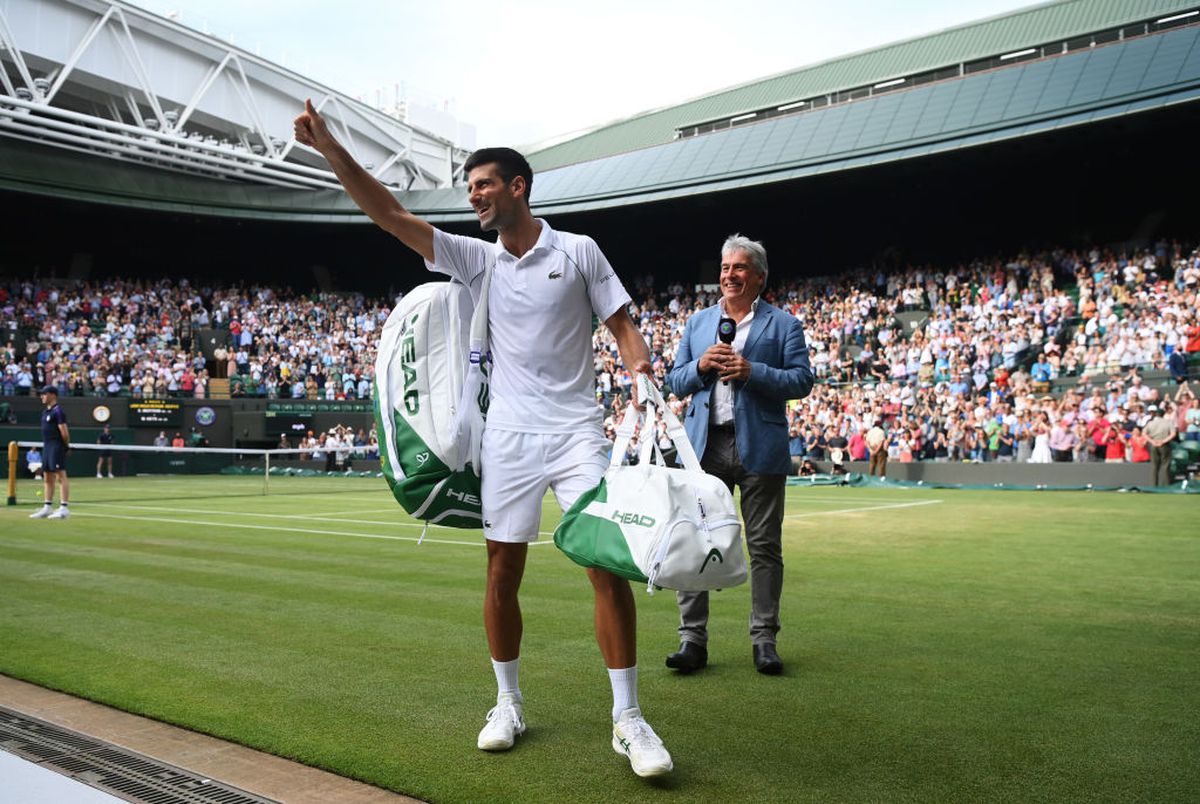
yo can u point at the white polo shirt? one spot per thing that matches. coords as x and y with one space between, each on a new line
540 311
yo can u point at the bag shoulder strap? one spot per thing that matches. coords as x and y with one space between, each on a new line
479 318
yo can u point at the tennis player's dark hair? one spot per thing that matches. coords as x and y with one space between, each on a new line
509 164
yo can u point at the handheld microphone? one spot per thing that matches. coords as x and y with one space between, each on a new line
726 330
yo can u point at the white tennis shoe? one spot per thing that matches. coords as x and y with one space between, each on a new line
505 722
41 513
61 513
633 737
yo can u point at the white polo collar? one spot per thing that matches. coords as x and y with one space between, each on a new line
546 239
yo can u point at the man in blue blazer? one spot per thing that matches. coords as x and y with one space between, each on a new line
742 360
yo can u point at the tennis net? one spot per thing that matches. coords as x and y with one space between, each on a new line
125 472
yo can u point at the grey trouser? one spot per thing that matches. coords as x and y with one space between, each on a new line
762 515
1160 460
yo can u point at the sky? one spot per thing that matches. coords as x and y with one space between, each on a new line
528 72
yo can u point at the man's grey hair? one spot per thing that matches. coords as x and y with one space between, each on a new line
756 250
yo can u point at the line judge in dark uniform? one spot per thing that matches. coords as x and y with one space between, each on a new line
56 438
742 360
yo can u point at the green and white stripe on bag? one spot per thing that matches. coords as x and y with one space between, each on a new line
423 376
665 527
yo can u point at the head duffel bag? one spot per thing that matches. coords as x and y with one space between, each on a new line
422 367
667 527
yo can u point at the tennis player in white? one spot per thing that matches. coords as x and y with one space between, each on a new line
544 429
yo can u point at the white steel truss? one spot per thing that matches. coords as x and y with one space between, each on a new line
132 86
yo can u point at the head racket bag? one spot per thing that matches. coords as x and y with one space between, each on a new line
431 397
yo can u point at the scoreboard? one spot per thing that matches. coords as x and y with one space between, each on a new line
161 413
292 424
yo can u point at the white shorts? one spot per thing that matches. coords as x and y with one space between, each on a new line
519 467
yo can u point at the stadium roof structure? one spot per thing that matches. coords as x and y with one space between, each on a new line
1050 28
125 88
1049 67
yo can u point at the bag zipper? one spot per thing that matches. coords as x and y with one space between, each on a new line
660 556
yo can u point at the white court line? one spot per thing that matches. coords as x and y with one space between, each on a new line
334 516
244 526
857 510
415 525
834 499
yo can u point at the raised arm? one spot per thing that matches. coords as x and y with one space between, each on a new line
373 198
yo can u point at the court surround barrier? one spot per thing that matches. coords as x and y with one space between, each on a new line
860 480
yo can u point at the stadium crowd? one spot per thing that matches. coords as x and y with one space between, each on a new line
955 363
142 339
969 379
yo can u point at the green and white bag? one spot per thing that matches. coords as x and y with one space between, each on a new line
667 527
431 397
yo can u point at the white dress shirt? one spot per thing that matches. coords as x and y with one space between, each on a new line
720 405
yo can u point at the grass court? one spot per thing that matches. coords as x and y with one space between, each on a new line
940 645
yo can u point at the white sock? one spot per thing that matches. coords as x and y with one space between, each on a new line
624 687
506 676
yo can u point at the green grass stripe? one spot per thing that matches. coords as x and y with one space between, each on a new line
991 646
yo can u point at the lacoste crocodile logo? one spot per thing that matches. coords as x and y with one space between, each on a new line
713 555
555 275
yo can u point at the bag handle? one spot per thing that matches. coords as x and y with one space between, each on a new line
649 435
648 393
625 432
675 429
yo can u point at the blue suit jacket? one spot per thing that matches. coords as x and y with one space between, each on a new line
779 371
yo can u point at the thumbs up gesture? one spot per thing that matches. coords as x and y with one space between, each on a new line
310 128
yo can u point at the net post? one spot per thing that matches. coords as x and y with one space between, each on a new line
14 458
267 472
